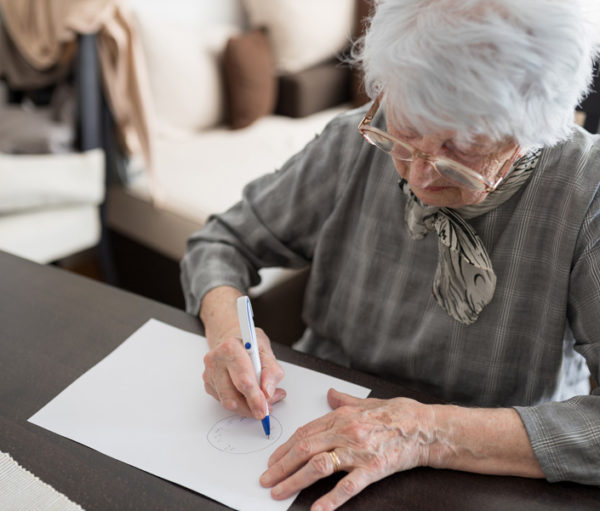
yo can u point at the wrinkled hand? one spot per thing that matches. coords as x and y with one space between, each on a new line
230 378
372 439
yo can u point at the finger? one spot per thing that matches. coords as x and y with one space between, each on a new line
233 376
319 466
272 373
216 376
304 452
324 423
211 391
277 396
349 486
244 379
227 402
229 396
337 399
234 401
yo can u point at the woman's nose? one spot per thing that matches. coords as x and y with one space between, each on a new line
422 173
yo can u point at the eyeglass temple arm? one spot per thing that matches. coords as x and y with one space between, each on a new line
371 113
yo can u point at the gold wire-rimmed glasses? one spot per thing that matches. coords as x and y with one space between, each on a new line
450 169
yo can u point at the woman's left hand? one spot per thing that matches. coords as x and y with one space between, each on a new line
371 439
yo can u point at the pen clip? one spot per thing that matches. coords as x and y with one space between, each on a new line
250 314
244 310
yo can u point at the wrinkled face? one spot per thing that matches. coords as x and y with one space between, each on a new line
490 159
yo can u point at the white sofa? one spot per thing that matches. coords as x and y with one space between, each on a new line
200 164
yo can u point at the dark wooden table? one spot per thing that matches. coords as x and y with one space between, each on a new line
54 326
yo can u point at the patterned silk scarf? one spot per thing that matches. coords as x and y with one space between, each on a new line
464 281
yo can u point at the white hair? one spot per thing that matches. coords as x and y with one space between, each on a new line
499 68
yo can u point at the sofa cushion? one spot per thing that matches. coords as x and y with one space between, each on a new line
251 83
303 32
200 175
184 67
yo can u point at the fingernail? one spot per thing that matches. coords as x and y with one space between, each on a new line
230 404
265 479
317 508
278 490
259 415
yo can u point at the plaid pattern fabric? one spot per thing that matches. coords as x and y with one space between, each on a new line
336 206
464 281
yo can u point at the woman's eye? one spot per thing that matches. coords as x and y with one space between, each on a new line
462 154
466 156
452 150
405 133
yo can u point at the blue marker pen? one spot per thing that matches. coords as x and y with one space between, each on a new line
245 315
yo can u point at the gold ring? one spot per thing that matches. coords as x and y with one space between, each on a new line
335 460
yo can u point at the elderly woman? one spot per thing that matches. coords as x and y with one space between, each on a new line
477 274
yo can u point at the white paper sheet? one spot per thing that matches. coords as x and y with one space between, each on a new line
145 404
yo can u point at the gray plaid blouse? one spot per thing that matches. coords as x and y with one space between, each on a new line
336 206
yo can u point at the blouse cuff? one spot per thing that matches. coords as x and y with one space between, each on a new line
565 438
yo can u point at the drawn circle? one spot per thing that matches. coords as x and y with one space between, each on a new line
242 435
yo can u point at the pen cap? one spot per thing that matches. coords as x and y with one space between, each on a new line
244 310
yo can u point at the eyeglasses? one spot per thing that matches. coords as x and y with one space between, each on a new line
452 170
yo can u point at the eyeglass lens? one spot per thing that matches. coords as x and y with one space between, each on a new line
444 168
379 141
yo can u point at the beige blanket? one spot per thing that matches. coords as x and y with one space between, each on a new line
44 31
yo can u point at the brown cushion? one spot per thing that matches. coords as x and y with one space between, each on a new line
250 78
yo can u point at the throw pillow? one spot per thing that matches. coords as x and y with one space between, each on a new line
250 78
185 76
303 32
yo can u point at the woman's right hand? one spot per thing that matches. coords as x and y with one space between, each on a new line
230 378
228 372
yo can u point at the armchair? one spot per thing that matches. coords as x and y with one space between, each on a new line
51 204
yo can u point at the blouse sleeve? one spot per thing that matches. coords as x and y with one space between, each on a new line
566 435
278 220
